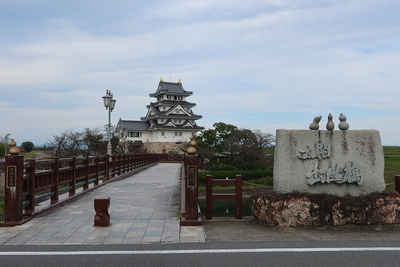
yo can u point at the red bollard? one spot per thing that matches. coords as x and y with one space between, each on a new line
102 218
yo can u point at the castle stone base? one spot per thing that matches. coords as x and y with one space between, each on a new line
167 147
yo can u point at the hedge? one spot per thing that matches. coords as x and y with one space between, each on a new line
246 174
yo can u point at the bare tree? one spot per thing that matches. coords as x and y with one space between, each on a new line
75 143
58 143
263 139
69 143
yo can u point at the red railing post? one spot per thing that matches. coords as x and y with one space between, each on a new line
239 197
55 177
209 199
14 174
124 168
97 165
72 184
87 166
130 162
107 167
192 217
119 161
114 165
30 180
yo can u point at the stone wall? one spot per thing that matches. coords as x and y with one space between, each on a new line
157 147
299 210
337 163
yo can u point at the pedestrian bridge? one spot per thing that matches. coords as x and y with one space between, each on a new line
144 208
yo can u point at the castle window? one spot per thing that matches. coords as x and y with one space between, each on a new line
162 133
135 134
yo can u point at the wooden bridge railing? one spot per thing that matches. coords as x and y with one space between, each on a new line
237 196
31 182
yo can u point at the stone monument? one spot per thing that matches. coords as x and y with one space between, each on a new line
334 162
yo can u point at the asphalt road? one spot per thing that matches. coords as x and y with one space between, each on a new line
374 253
229 243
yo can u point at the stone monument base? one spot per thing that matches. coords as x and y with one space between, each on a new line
312 210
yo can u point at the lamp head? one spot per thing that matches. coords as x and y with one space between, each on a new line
107 98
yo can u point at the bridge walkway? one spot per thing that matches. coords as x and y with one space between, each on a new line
144 208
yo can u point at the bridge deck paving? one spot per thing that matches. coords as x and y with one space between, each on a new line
144 208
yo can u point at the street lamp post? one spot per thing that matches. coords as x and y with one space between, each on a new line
109 103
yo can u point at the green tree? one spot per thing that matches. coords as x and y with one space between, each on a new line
4 145
206 145
223 131
207 138
242 145
237 148
28 145
94 141
115 143
2 148
213 141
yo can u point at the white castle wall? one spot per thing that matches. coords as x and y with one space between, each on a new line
169 136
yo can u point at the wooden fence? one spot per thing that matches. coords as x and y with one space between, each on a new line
210 196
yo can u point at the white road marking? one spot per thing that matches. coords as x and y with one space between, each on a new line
196 251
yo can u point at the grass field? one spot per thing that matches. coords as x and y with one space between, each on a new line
392 165
28 155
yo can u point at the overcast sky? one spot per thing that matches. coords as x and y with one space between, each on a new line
273 64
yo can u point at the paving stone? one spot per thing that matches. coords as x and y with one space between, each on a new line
153 234
17 241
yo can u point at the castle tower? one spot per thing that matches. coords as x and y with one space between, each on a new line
168 120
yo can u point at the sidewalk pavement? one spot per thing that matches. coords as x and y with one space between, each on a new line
247 230
144 208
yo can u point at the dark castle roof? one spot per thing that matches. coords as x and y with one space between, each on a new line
126 125
170 88
165 114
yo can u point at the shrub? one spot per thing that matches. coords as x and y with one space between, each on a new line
246 174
